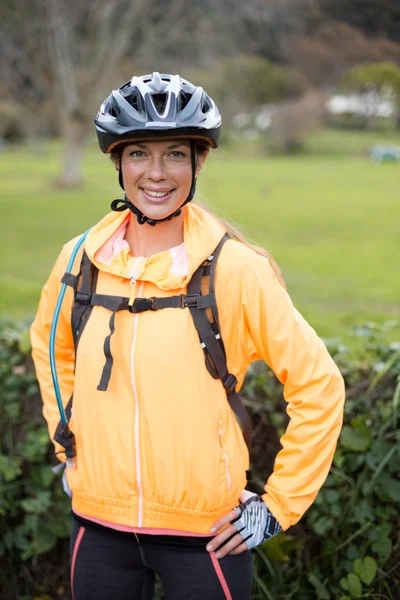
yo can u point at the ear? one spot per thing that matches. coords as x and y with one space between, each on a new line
200 162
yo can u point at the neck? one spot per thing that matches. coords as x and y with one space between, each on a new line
145 240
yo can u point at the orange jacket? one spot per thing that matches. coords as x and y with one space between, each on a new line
162 448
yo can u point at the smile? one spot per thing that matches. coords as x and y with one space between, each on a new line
157 195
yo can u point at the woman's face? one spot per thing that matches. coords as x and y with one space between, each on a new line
158 175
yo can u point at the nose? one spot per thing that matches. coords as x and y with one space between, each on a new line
156 169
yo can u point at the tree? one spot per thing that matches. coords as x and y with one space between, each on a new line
374 82
68 55
334 48
374 18
293 120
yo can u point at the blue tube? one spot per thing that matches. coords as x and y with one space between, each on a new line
53 329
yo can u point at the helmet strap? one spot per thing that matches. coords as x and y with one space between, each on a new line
120 205
120 178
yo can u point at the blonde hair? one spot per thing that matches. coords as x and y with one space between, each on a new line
234 232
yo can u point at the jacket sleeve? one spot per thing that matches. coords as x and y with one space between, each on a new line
313 389
64 346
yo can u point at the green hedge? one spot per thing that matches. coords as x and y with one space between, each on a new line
346 546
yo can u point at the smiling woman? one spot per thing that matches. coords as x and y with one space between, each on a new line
156 462
157 177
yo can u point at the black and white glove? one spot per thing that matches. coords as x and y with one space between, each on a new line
254 522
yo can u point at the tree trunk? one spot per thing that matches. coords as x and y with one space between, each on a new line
74 135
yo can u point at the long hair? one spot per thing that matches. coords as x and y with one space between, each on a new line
236 234
233 231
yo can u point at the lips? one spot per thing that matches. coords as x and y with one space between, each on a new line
159 195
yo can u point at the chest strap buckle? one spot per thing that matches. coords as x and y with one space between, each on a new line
142 304
190 300
83 298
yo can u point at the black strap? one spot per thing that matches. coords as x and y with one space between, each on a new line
87 277
106 374
211 341
64 435
213 267
82 307
116 304
71 280
113 303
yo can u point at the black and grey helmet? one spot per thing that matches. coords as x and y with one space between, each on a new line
157 105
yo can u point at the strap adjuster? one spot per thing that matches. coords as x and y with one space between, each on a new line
83 298
142 304
230 383
190 300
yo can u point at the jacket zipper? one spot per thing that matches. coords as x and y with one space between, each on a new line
135 395
228 477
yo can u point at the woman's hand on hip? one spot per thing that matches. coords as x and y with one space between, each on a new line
252 523
235 546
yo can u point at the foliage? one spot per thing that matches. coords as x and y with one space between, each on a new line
11 128
33 507
292 122
247 81
382 77
346 545
368 15
331 48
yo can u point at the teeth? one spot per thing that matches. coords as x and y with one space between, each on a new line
156 194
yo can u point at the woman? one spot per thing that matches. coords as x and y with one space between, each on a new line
160 471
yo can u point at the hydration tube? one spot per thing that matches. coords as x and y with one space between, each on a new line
64 420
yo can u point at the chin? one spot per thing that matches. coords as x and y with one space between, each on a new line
157 210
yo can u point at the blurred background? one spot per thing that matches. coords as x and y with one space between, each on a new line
308 167
309 91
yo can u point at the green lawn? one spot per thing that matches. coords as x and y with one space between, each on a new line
332 222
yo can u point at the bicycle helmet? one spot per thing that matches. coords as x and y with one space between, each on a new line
157 106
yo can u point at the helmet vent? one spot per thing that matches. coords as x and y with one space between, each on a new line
159 101
114 112
133 99
184 99
206 107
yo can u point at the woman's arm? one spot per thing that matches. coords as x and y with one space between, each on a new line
313 388
64 345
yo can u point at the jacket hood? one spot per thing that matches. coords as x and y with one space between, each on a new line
170 269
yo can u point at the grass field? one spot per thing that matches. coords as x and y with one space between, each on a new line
332 222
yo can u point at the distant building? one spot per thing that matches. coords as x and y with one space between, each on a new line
369 104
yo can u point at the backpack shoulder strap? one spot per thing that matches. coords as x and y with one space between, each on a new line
83 284
211 341
82 306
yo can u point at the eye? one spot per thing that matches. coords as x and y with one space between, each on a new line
136 153
178 154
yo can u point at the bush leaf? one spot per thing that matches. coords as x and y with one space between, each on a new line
357 440
355 587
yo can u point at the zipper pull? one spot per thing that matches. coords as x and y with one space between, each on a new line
132 296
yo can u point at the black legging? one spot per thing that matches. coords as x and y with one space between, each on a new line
108 564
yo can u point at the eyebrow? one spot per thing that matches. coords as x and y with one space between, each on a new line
170 147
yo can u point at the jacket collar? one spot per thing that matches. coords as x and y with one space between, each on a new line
169 270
